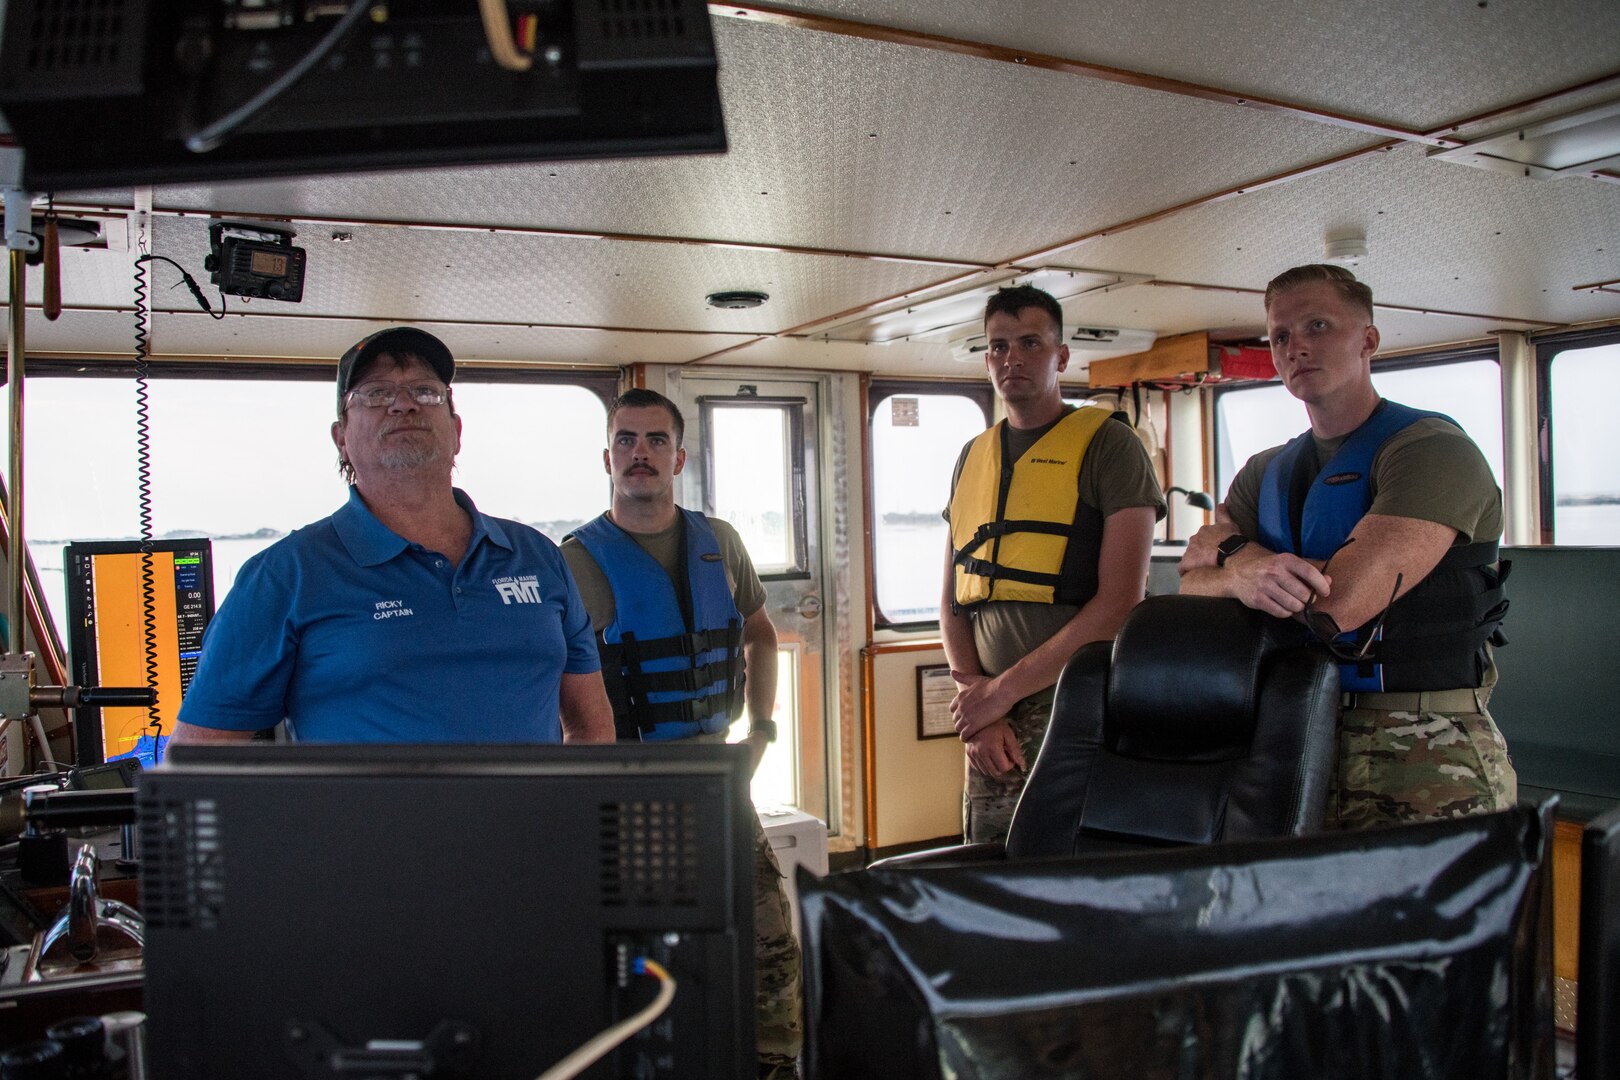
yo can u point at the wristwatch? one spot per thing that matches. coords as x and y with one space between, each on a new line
763 727
1229 547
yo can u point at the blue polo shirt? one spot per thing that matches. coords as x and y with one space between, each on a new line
356 635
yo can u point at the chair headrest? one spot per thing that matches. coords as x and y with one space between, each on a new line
1188 669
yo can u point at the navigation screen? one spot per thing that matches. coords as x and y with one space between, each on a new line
106 628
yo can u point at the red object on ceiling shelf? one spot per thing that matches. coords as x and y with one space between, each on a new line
1244 362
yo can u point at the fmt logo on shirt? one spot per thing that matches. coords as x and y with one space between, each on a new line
523 589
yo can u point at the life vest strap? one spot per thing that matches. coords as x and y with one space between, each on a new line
656 714
984 568
633 649
682 680
991 530
1467 556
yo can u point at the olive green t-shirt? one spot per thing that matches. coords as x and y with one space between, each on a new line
1116 474
665 548
1428 471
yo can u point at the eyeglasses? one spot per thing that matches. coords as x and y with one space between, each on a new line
377 395
1326 629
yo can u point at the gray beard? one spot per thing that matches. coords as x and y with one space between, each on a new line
411 457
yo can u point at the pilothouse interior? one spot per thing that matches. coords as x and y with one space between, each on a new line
788 219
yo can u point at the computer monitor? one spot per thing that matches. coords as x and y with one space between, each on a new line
300 899
107 638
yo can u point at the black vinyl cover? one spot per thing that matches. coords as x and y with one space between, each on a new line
1597 1016
1422 951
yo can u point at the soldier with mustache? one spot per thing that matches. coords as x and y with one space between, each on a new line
679 616
407 616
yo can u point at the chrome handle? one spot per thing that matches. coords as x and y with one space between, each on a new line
808 607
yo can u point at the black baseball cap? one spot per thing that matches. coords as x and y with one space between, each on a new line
395 340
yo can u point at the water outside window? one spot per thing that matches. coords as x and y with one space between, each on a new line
1586 446
915 442
1470 392
244 462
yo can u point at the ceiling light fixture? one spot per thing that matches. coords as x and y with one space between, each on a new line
737 299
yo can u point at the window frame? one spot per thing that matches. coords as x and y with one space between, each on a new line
1436 358
793 408
879 390
1547 350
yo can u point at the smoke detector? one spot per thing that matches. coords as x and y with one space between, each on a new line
1345 250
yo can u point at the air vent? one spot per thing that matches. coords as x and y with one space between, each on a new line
60 48
638 20
182 871
637 33
649 854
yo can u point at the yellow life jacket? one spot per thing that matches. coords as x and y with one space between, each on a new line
1018 529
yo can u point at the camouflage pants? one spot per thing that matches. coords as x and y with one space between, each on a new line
778 989
1399 767
779 1017
988 801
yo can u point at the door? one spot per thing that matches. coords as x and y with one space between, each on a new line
752 460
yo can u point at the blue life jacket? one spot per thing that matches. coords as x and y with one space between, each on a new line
1434 636
672 656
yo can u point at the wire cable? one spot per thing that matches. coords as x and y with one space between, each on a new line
190 283
591 1051
498 32
143 489
211 136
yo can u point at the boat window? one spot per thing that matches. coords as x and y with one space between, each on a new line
1251 419
1583 384
755 481
917 434
245 461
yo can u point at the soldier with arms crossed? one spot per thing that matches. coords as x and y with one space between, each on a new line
1378 530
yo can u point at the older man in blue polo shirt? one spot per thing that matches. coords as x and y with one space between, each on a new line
407 616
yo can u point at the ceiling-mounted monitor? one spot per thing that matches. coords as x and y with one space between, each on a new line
123 92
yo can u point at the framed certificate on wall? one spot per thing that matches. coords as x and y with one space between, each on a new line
935 689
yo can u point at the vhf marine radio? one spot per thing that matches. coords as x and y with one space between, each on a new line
257 261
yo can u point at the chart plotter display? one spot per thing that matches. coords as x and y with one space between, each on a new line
107 637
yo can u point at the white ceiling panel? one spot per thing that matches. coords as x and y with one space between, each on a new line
1419 65
1440 236
1232 315
894 359
95 277
899 359
88 332
413 274
327 339
857 145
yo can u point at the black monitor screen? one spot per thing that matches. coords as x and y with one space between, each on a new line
306 901
107 609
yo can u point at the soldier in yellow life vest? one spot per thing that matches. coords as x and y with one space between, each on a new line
1052 513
